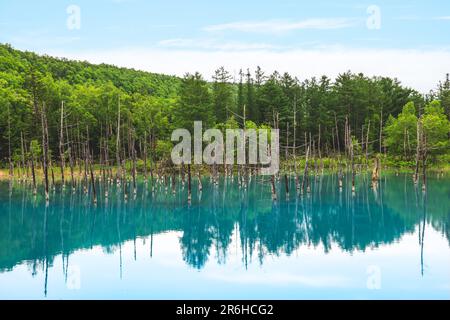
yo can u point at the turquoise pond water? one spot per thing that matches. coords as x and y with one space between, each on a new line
392 242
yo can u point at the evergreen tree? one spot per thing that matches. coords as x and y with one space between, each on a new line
251 110
222 94
240 97
194 103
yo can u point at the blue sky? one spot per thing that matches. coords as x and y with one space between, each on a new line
406 39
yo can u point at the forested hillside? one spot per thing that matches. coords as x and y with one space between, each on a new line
80 102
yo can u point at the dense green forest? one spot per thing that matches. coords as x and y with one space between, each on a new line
103 109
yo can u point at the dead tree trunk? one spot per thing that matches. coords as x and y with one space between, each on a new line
101 154
106 168
52 172
337 133
367 145
173 181
44 151
152 149
418 153
189 183
294 145
11 169
200 185
319 145
33 174
334 141
381 129
346 138
80 147
61 144
91 172
286 179
145 156
183 179
133 154
404 144
274 190
71 163
376 170
85 175
119 173
362 140
424 162
305 171
49 158
352 156
24 165
286 185
94 192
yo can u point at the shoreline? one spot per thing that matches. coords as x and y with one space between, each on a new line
433 169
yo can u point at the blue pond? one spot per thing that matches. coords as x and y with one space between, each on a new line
388 242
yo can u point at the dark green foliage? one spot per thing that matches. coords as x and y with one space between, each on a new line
194 103
222 95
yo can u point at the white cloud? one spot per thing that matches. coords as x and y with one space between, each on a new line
213 44
442 18
419 69
279 26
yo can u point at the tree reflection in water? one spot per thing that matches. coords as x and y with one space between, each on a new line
35 233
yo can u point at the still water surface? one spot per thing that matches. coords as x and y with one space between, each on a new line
391 242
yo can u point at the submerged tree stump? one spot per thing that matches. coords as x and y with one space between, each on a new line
376 170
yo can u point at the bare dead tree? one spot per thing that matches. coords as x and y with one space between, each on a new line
189 183
133 154
286 179
79 149
49 158
337 133
318 144
424 161
294 144
274 190
334 142
86 166
33 174
24 165
367 145
44 150
352 158
381 128
145 156
61 144
376 170
199 178
119 173
71 162
11 168
91 172
418 149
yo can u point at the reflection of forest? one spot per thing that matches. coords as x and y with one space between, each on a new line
31 232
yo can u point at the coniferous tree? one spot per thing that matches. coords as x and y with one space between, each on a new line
240 97
194 103
222 94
